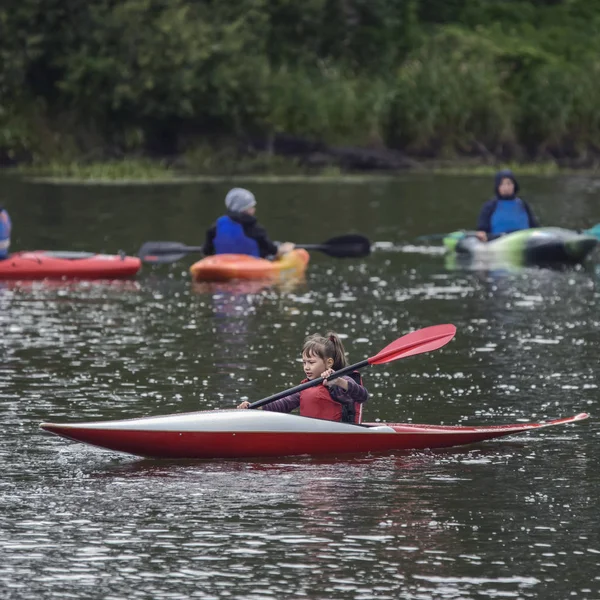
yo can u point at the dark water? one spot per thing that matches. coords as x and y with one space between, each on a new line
516 518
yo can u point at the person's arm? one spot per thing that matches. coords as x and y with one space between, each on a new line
265 246
484 222
349 390
5 230
5 218
286 404
533 220
209 247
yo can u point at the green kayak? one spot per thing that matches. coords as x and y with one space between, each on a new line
543 247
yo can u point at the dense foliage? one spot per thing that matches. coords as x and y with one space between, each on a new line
86 79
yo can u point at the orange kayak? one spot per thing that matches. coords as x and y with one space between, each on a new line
228 267
42 264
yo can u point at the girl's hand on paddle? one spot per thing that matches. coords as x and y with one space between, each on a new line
339 381
481 235
244 404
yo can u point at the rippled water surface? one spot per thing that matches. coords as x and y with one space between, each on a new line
515 518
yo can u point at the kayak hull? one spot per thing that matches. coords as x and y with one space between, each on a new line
253 434
230 267
542 246
43 264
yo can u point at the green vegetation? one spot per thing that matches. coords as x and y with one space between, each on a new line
211 87
129 169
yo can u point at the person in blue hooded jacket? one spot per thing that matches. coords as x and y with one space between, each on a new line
238 231
5 227
506 212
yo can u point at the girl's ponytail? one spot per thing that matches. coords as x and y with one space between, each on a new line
338 352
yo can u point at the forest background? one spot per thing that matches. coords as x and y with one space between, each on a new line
267 84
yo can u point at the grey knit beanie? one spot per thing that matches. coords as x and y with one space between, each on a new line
239 199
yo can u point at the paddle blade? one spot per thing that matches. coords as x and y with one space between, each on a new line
417 342
344 246
165 252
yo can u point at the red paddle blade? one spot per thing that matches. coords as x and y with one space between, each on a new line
417 342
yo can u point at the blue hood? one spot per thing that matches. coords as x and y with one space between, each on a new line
505 174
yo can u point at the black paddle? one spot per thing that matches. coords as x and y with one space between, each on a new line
343 246
593 231
350 245
416 342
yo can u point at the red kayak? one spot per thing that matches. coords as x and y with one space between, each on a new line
42 264
253 433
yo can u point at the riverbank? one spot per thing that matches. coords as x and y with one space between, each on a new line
139 171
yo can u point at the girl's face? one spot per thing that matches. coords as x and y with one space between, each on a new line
315 365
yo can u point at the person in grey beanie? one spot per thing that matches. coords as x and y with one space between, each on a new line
238 231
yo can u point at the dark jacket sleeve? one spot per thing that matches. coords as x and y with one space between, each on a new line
484 222
355 392
285 404
533 220
209 247
265 246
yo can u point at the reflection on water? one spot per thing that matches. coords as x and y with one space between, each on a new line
236 289
511 518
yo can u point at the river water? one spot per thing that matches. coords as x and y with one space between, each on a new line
515 518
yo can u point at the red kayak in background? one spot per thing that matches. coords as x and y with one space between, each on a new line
222 434
43 264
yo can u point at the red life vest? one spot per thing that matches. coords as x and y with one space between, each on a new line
317 403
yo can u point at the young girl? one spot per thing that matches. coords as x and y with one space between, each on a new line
340 399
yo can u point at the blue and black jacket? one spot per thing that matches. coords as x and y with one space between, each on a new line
505 214
238 233
5 227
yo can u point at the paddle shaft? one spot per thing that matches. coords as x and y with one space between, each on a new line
308 384
343 246
311 246
181 250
